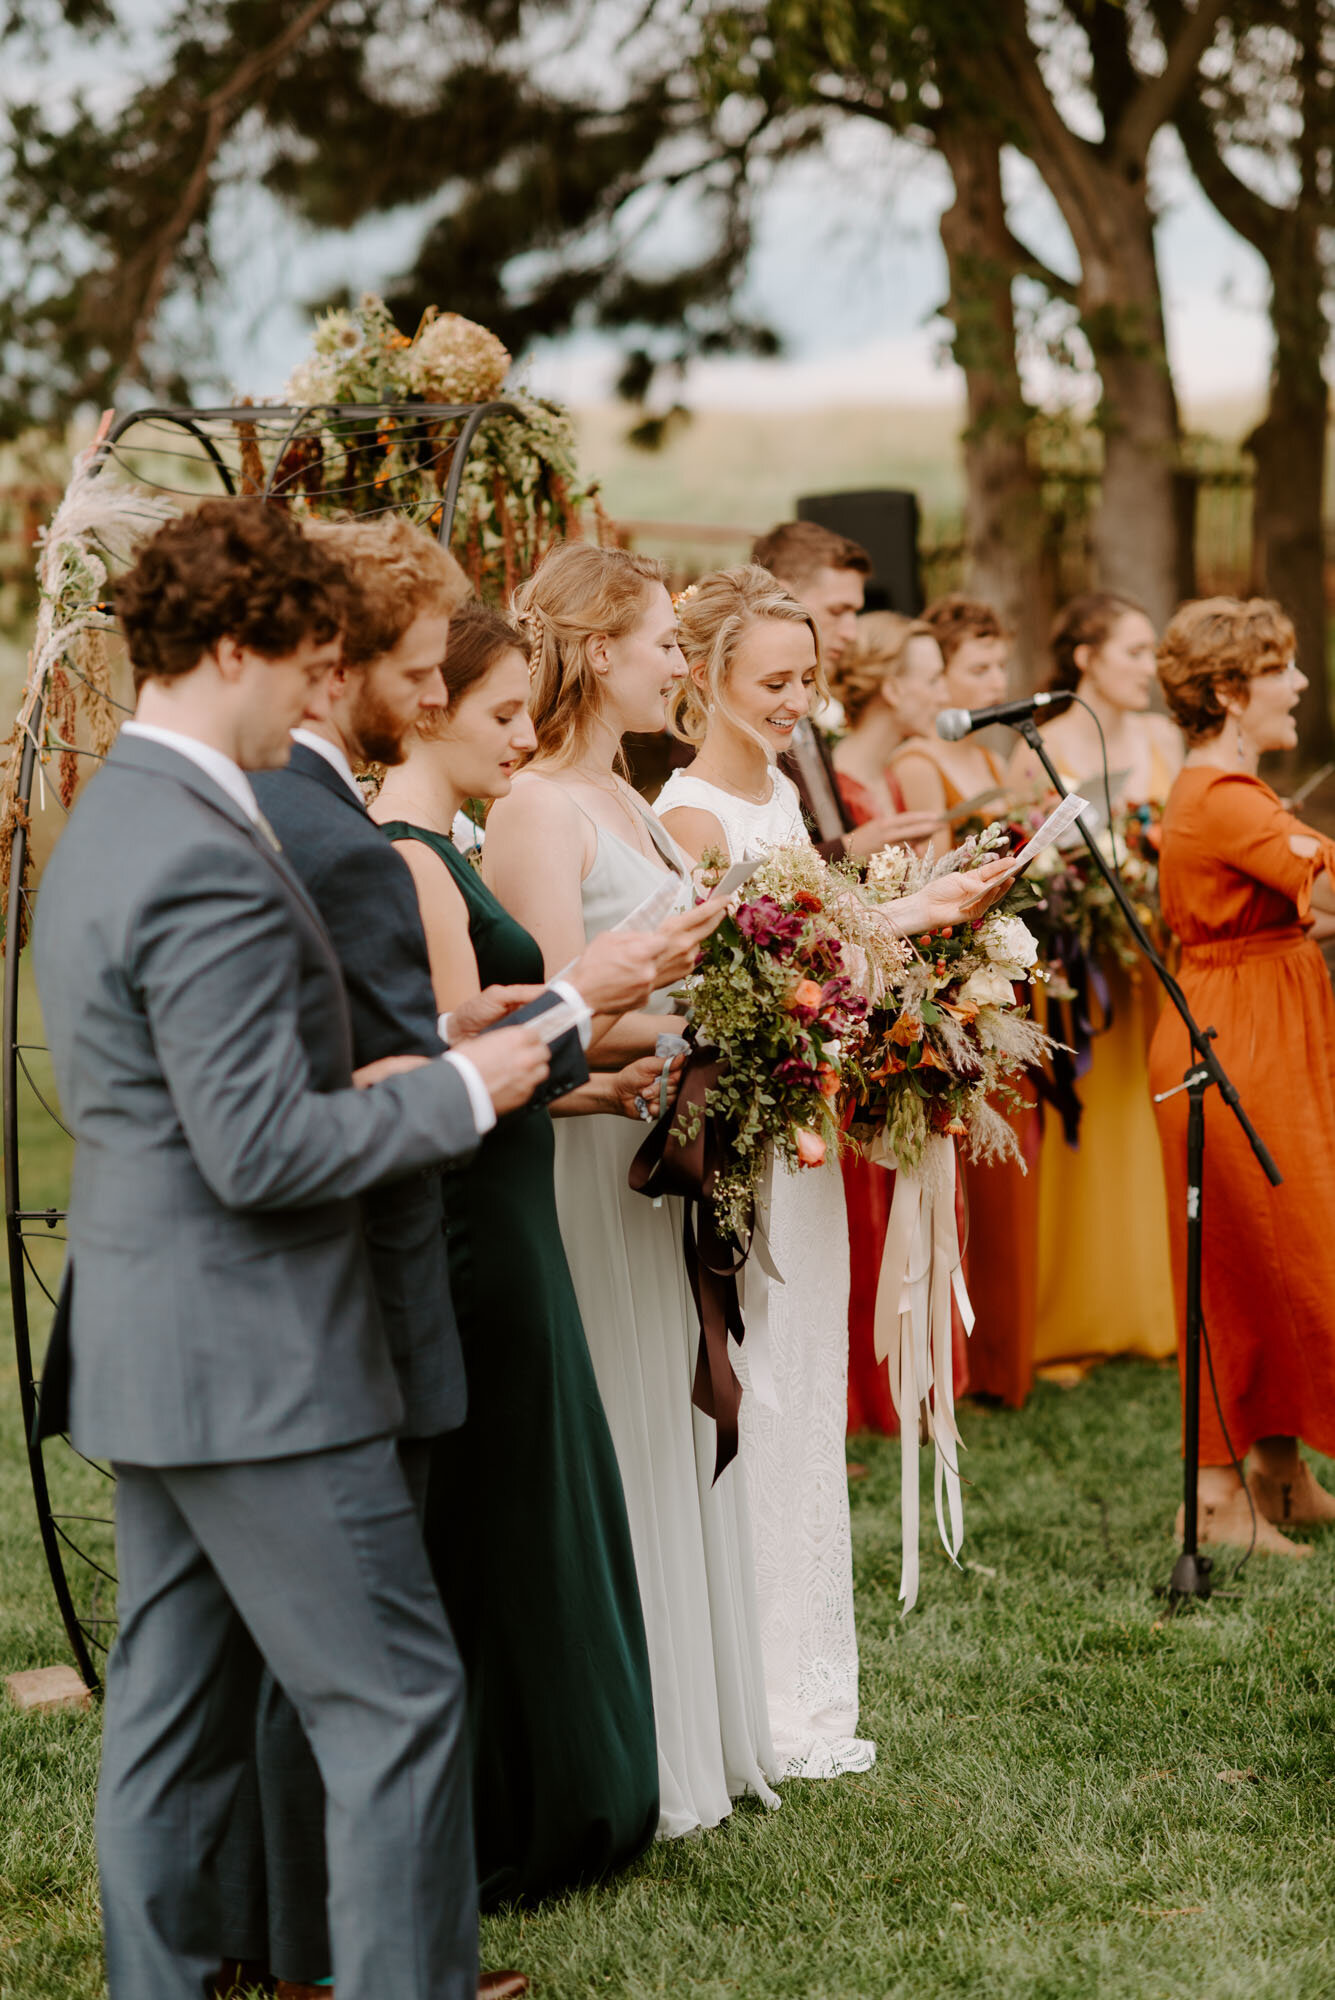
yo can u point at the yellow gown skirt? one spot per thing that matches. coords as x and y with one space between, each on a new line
1104 1280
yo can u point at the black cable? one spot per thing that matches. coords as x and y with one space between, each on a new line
1233 1456
1107 782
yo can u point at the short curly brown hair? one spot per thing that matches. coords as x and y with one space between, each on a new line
395 572
1215 646
230 569
956 619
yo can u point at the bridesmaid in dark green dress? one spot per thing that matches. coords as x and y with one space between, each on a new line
526 1521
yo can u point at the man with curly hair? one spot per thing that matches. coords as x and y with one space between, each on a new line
224 1347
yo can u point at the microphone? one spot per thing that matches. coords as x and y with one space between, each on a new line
952 723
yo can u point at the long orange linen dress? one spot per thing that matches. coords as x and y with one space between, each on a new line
1237 897
868 1191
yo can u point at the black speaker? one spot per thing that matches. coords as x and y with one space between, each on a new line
885 522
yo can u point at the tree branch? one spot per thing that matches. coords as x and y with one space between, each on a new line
1159 96
222 107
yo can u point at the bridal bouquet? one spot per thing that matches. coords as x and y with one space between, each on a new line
950 1036
780 998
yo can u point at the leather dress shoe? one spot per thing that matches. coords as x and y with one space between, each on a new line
501 1985
293 1989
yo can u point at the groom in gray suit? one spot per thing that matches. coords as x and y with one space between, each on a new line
226 1352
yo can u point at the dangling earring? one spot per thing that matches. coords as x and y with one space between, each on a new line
1237 732
709 708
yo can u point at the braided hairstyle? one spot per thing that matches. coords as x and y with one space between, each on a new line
578 593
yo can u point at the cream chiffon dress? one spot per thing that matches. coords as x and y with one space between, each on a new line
691 1538
796 1471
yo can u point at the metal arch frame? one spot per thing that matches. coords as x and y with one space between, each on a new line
474 415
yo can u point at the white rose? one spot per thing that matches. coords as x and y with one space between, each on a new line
988 987
1009 941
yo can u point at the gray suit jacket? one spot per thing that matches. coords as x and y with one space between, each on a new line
222 1306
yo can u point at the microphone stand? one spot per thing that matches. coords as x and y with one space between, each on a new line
1191 1571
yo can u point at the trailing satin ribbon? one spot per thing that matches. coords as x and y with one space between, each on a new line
669 1162
921 1272
1071 1022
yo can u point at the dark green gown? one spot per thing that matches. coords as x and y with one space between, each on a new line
526 1520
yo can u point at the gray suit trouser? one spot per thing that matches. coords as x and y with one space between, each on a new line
317 1565
272 1878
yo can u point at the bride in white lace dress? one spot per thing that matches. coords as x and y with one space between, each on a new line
754 654
753 657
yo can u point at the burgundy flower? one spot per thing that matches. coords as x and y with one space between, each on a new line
769 926
793 1070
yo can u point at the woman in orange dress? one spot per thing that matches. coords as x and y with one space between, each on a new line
1238 878
1001 1253
889 685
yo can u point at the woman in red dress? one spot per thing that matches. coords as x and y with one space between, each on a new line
1238 878
889 684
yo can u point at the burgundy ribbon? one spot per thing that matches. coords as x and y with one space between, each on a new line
670 1163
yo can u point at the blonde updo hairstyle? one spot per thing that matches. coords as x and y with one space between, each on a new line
578 593
878 654
713 618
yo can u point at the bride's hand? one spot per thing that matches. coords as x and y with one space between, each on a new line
952 898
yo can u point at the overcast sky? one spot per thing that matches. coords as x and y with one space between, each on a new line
848 268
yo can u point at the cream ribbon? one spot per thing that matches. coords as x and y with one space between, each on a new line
920 1273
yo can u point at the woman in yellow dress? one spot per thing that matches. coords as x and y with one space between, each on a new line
1104 1281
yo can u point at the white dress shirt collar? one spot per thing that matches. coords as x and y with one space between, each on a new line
333 756
228 776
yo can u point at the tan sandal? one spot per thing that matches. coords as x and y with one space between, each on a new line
1231 1527
1300 1499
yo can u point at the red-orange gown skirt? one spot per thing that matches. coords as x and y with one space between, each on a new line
1236 896
869 1191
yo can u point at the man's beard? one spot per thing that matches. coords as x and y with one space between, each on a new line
380 733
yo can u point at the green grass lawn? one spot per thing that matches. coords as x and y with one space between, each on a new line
1076 1796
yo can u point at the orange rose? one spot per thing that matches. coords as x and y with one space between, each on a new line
810 1148
806 993
829 1081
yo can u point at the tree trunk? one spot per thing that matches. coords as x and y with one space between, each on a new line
1289 450
1008 561
1137 544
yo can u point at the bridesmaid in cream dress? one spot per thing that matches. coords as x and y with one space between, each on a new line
1104 1280
571 852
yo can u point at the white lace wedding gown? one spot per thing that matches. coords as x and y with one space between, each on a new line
690 1536
796 1475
